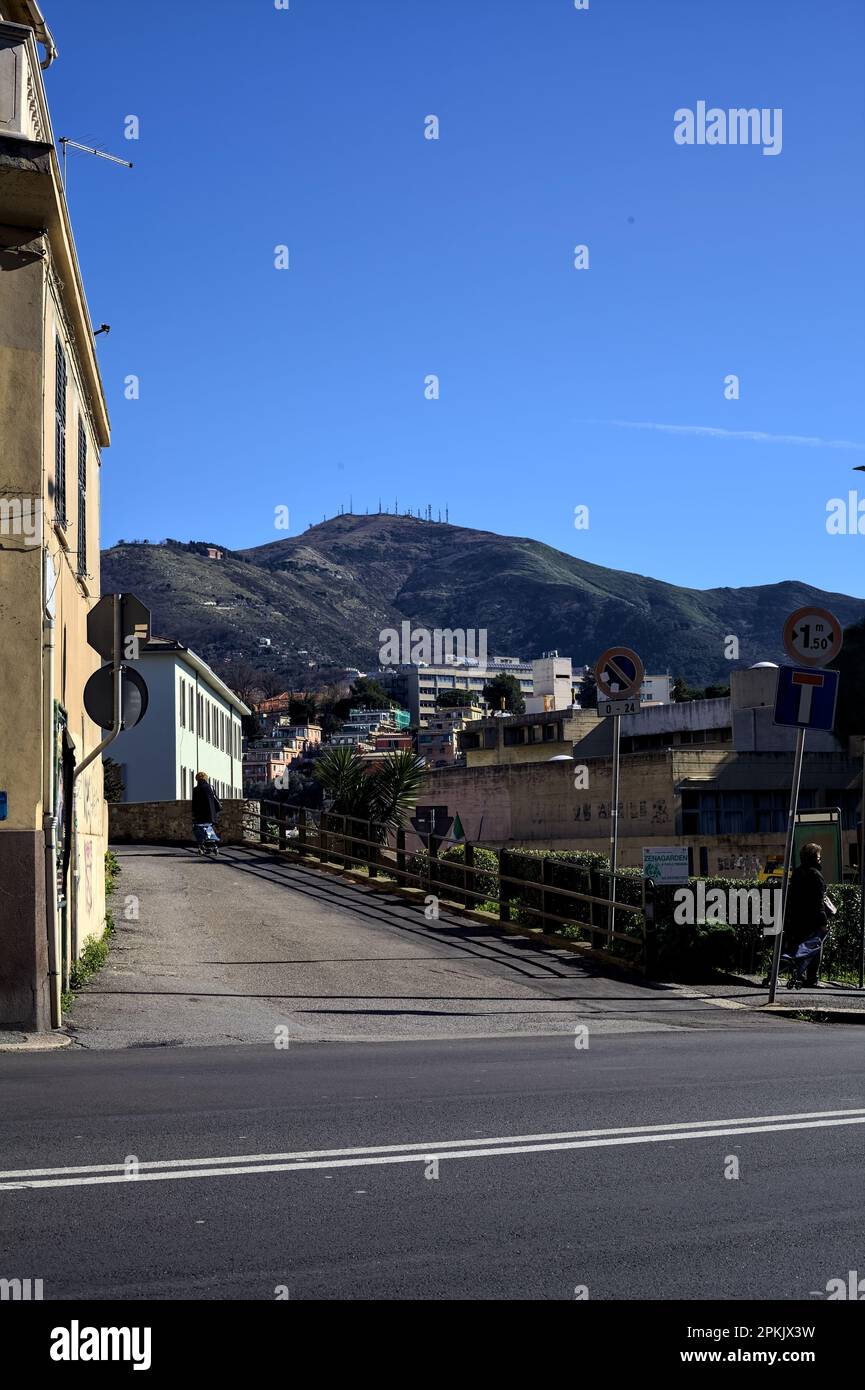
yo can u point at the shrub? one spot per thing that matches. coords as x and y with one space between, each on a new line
451 872
92 958
678 950
112 871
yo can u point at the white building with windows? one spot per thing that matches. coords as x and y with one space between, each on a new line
656 690
192 724
418 685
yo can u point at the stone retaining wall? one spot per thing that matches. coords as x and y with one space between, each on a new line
161 822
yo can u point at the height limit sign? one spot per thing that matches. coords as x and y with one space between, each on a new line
806 695
812 637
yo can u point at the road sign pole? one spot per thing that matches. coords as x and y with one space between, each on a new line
614 828
788 859
862 877
117 674
619 676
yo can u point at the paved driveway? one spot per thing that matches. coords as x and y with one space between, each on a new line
235 950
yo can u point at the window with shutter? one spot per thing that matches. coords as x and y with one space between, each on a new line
82 498
60 433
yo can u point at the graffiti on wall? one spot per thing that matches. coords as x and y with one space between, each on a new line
633 810
88 876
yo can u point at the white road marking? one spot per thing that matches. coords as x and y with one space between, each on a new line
302 1154
243 1164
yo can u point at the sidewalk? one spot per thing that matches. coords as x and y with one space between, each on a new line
830 1002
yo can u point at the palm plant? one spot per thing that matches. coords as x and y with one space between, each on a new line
383 795
371 803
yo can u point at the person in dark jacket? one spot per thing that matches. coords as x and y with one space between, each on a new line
806 920
205 806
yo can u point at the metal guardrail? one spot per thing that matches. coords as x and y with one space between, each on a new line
350 843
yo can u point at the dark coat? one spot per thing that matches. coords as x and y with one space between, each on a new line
806 916
205 804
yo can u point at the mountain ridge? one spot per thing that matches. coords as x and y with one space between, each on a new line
326 595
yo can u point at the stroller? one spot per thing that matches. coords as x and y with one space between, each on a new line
803 960
208 840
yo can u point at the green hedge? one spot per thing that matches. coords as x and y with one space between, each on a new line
678 950
450 872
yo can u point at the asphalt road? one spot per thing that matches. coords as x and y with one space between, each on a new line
231 951
645 1212
421 1110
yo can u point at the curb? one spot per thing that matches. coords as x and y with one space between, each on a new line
36 1042
814 1014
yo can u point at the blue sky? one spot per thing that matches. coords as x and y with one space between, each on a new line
409 257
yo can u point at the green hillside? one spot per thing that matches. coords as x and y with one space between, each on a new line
326 595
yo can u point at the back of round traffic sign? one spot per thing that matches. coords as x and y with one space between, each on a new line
621 667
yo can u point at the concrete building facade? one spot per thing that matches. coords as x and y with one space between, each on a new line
53 426
552 684
713 775
192 724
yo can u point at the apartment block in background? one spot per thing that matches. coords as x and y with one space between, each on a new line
552 684
418 686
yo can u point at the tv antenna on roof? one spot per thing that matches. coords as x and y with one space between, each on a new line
87 149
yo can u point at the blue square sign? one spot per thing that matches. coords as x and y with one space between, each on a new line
806 698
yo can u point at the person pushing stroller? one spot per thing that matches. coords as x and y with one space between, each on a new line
806 920
206 807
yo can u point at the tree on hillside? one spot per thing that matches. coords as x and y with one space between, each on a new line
683 692
302 710
366 693
454 699
240 677
587 691
503 692
112 778
331 702
251 725
272 684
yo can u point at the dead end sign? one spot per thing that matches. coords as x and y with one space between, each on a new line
134 625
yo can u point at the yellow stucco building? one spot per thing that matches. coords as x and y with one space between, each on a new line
53 424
